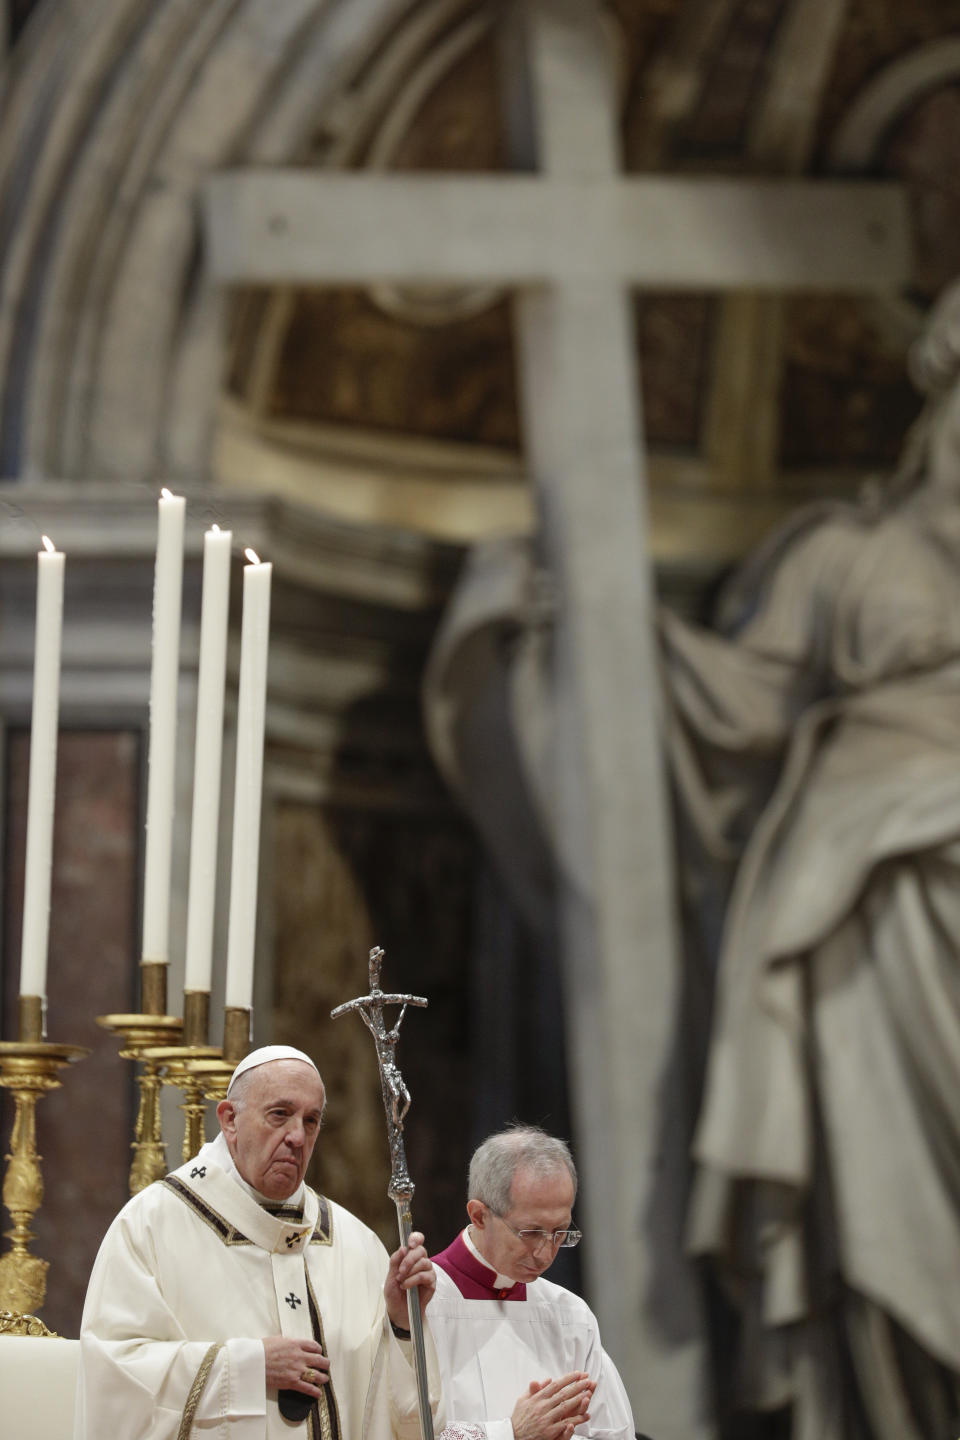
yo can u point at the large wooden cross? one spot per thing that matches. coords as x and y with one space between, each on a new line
570 240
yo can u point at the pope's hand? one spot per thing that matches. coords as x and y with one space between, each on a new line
552 1409
409 1266
288 1361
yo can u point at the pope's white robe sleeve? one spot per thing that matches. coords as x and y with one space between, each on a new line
141 1387
395 1364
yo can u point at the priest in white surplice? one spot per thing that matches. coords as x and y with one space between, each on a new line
500 1328
229 1296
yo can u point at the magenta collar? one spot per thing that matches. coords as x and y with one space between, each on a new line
473 1279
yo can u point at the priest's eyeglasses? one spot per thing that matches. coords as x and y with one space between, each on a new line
536 1239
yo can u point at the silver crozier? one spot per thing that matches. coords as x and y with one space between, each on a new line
396 1103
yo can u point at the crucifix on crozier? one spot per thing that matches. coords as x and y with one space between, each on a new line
396 1096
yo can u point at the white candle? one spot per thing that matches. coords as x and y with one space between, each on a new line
43 769
167 591
214 613
248 784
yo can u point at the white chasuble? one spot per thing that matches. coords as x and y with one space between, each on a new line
193 1273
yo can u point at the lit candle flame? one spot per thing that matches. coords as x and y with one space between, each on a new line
252 556
165 493
215 528
48 545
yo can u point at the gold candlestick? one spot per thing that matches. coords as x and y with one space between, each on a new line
177 1065
139 1034
202 1071
153 987
196 1017
28 1069
142 1032
214 1076
237 1023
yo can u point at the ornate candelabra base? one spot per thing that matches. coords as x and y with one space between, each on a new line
209 1071
141 1033
16 1324
28 1069
179 1066
213 1076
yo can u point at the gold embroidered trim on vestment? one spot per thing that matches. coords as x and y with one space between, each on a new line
323 1230
196 1390
228 1233
325 1416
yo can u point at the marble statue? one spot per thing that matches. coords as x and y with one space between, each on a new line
815 742
813 739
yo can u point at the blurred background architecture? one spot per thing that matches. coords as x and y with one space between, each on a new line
371 281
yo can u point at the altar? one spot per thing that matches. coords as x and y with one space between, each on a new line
38 1375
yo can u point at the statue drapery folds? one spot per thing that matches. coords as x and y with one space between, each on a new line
813 739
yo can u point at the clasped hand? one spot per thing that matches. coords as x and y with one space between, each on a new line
552 1409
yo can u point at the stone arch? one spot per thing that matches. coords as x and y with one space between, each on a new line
859 142
886 98
110 339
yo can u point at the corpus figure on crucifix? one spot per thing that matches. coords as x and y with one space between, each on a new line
396 1096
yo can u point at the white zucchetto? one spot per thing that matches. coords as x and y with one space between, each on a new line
263 1056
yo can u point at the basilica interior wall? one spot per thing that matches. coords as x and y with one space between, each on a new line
362 436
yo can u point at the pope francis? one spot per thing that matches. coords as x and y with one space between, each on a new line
229 1299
